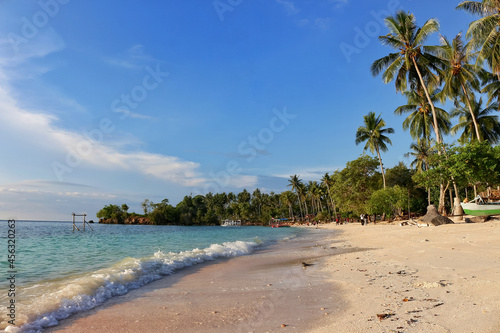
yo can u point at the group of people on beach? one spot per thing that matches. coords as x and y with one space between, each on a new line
363 218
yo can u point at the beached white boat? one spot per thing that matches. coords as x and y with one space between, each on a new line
483 205
231 223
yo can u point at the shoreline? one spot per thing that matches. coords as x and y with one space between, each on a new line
257 292
375 278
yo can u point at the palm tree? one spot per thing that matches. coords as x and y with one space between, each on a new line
488 125
421 152
419 122
288 199
411 63
374 135
485 32
296 183
327 180
460 77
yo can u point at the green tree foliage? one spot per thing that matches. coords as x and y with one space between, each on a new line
390 201
354 184
488 127
112 212
485 32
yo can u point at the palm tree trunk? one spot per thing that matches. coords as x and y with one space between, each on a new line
434 117
331 199
471 113
300 207
381 166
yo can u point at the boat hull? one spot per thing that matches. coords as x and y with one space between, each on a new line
472 208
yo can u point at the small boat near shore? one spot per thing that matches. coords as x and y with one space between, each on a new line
279 223
231 223
486 203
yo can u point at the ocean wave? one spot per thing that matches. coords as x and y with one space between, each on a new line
87 291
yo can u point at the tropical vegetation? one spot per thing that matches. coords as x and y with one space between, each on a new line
461 71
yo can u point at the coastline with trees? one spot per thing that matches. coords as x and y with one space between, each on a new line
463 71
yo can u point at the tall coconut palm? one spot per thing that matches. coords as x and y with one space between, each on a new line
489 126
296 183
411 63
419 121
374 135
288 198
460 76
421 151
485 32
327 180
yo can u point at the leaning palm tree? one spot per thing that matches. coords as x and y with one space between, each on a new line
411 64
485 32
374 135
489 126
460 76
419 121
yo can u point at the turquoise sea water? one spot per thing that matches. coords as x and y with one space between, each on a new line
59 272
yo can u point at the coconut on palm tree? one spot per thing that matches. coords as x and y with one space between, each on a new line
488 125
460 75
419 121
373 132
412 64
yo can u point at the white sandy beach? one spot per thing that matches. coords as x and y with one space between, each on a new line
432 279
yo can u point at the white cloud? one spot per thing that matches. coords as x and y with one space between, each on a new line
322 23
41 129
289 6
339 3
133 58
13 52
307 174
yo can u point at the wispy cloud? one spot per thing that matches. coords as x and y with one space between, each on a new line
43 130
322 23
339 3
307 174
133 58
289 6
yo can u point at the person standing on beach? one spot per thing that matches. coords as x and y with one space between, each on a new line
362 219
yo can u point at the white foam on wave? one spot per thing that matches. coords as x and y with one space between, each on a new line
89 290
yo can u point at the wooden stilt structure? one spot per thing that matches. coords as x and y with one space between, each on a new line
83 225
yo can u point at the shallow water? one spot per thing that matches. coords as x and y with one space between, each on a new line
59 272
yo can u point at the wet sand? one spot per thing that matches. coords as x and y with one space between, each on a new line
260 292
375 278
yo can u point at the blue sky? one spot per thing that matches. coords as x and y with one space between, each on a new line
117 101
